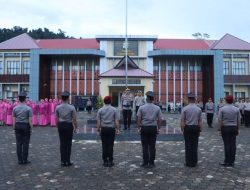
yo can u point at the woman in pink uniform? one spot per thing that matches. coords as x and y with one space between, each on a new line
9 120
35 110
47 110
1 112
52 107
42 111
5 105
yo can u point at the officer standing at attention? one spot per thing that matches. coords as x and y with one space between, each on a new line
229 125
66 123
246 112
22 124
139 101
149 121
108 126
209 108
127 105
191 125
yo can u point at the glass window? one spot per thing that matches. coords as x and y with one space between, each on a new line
170 67
239 94
1 68
238 68
13 67
26 67
226 67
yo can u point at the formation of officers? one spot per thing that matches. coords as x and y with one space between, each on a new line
148 117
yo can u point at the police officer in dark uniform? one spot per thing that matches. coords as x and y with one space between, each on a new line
229 124
149 120
108 126
22 124
191 125
66 123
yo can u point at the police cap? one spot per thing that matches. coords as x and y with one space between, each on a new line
22 94
191 96
65 94
150 94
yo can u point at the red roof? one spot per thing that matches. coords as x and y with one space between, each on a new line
23 41
181 44
68 43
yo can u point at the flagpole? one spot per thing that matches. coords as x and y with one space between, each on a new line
126 46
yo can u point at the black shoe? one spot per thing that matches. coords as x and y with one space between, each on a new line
26 162
63 164
105 164
151 165
111 164
189 165
231 165
69 163
20 162
124 129
144 165
224 164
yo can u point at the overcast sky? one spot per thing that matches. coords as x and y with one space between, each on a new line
164 18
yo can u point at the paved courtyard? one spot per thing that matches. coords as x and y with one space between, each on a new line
45 171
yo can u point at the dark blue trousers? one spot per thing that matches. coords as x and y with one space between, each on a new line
191 136
22 131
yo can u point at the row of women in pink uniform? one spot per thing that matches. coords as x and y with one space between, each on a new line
43 112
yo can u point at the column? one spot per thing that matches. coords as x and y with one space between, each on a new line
20 63
233 90
85 78
92 77
188 77
181 83
63 76
174 83
70 80
159 81
56 81
231 65
77 80
195 80
18 88
167 85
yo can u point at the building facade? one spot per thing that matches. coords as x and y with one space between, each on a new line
96 67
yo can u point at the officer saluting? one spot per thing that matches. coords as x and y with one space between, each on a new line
229 124
66 123
107 125
191 125
127 104
149 120
22 124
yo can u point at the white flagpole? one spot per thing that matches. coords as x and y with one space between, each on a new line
126 47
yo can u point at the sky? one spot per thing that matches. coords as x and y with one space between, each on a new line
164 18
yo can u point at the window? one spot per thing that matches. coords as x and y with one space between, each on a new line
226 93
156 67
1 68
238 68
226 67
13 67
26 67
239 94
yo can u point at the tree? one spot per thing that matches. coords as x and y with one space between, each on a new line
39 33
203 36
